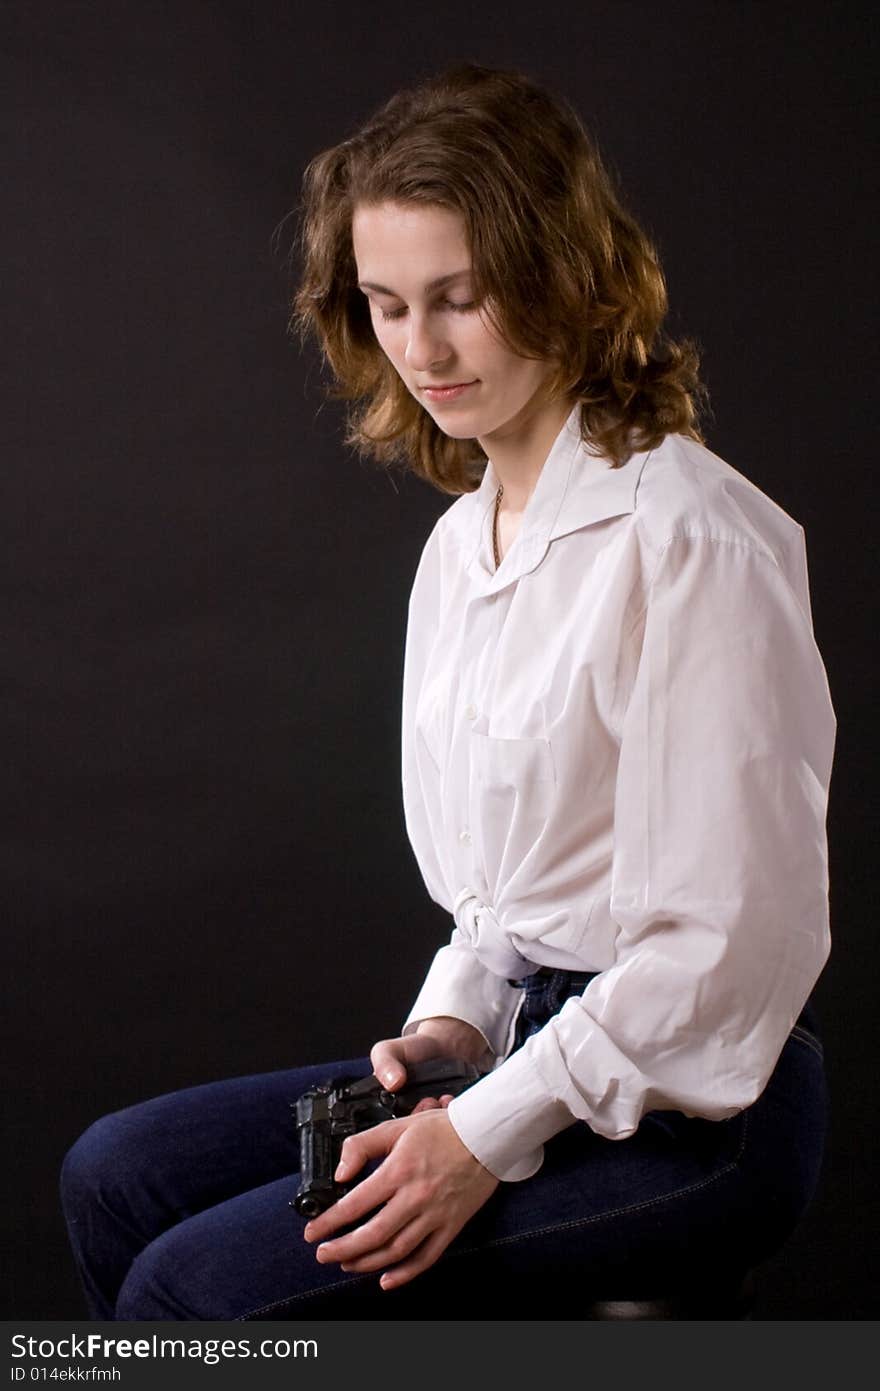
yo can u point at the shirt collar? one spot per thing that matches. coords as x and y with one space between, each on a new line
574 489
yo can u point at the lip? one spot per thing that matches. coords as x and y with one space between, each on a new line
446 393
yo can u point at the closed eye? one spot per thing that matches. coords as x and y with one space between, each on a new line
447 303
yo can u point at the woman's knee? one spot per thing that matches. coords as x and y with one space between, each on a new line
85 1161
103 1155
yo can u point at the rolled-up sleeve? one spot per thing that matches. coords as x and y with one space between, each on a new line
719 888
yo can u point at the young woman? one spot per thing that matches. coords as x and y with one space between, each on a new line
617 747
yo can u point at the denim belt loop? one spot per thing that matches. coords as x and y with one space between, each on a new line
544 993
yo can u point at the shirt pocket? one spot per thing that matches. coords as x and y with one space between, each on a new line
513 789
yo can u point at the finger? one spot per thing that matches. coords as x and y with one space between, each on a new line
420 1259
380 1231
373 1143
363 1199
367 1195
427 1103
388 1068
389 1057
445 1100
401 1244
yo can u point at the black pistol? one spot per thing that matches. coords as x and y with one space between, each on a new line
329 1113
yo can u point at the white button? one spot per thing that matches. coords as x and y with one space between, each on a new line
470 712
465 836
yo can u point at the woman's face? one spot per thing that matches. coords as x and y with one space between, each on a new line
434 334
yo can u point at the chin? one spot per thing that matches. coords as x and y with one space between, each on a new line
460 427
458 431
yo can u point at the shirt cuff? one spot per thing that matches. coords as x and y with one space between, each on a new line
458 985
505 1118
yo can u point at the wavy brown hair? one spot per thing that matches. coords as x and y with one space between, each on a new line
569 274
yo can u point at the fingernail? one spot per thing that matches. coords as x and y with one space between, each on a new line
389 1076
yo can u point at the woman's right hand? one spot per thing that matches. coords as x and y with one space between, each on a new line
440 1037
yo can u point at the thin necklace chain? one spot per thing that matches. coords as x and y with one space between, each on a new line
498 497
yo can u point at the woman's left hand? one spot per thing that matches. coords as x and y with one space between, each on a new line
425 1189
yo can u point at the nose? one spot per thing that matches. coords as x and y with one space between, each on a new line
425 349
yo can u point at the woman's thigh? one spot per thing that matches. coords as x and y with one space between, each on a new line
176 1154
679 1203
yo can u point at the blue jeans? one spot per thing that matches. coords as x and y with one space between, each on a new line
178 1208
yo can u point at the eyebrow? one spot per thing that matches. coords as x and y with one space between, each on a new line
432 284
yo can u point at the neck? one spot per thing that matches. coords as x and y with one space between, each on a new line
519 452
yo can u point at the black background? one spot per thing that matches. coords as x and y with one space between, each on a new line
204 864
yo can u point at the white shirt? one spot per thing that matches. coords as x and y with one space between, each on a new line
616 755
